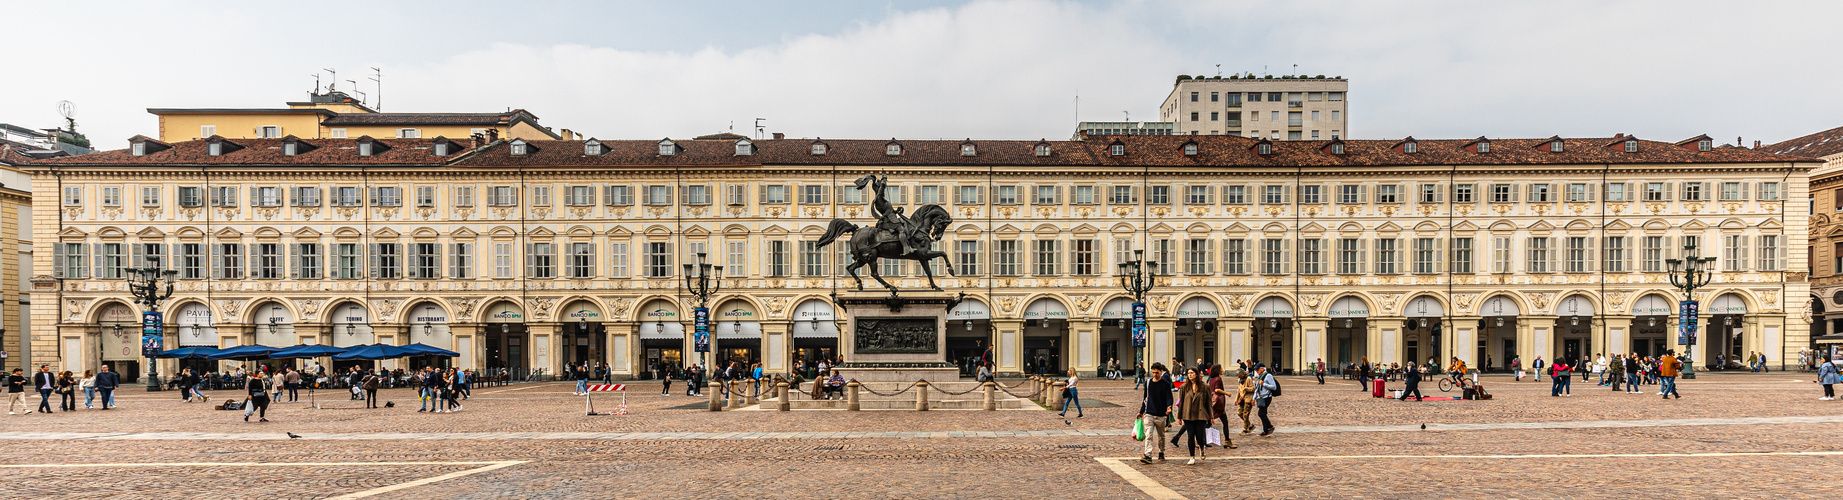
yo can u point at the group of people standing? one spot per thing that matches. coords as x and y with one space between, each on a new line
1202 399
64 384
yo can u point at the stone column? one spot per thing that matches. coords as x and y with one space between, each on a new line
1233 341
1085 345
1314 335
921 396
1010 348
1161 340
1541 333
621 350
777 346
1385 340
1618 335
541 349
1462 334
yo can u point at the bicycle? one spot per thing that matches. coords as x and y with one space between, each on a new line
1447 384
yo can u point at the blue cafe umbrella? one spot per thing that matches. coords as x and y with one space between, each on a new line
197 352
421 349
373 351
307 351
245 353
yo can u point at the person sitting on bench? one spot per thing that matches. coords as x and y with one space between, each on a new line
835 385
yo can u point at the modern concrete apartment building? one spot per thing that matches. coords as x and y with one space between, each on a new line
1284 108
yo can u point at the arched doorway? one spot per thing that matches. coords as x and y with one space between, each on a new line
119 328
1573 338
1196 330
1426 323
1273 333
662 337
1117 333
738 330
1348 333
969 335
1497 329
505 334
584 336
1651 325
274 325
428 325
196 329
1046 342
1726 332
815 328
350 325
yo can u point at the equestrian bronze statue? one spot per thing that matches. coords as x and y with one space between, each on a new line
895 236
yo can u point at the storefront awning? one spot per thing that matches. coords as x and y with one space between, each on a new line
815 319
1653 305
1348 307
662 330
1574 305
1196 307
970 309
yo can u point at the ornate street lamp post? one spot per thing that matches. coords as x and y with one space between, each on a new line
1688 274
698 284
145 283
1137 277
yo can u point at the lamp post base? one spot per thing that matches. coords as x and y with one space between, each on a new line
153 376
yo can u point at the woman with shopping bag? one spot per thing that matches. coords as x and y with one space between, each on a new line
1194 410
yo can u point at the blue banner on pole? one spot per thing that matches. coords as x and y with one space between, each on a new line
1138 324
700 332
1688 313
152 330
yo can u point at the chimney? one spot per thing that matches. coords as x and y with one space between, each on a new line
492 134
567 135
1756 144
778 135
475 140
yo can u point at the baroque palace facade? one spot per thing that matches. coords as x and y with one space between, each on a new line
533 254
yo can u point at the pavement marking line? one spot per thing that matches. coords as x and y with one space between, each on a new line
1145 484
1512 457
425 481
533 386
245 464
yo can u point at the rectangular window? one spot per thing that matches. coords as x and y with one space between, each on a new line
1273 256
815 194
1615 255
1388 193
1501 252
1084 195
72 261
658 260
425 261
1235 195
1158 195
697 194
307 261
540 196
1350 256
268 262
1046 261
502 260
1161 253
968 258
738 250
1198 195
1273 195
1234 256
1462 256
1198 257
1615 191
1430 193
773 193
779 261
1122 195
813 260
1503 193
347 261
1769 191
1539 254
425 196
1654 191
1007 195
1311 194
223 196
229 261
1387 256
617 196
896 195
461 261
1462 193
387 196
1731 191
1350 194
540 260
1693 191
1006 257
150 196
1654 254
191 261
109 261
618 257
1047 195
346 196
1311 257
1083 260
306 196
659 195
386 261
581 263
1579 192
968 195
1425 256
1733 252
503 196
736 194
111 196
1769 253
1539 193
579 196
1579 255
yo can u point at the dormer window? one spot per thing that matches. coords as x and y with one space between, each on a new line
1556 146
290 149
1631 146
215 148
1116 150
1484 147
968 149
520 147
819 148
1190 149
364 149
441 149
1337 148
1410 148
1043 149
668 148
1263 149
592 148
892 149
745 148
1705 145
137 149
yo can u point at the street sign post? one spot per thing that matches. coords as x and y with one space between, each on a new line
1688 313
1138 324
700 318
152 328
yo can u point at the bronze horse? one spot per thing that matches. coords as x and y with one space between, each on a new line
867 246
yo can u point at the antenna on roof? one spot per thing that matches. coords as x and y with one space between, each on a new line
329 87
732 126
316 84
1129 115
759 130
355 90
1295 70
1078 107
1219 71
378 76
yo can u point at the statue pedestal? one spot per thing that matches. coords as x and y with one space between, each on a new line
890 340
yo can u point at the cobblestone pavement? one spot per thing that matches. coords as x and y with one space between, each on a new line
1332 442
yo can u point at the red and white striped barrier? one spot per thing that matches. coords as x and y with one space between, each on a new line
590 400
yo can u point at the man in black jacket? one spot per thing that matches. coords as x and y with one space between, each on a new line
106 382
1154 408
45 382
1413 378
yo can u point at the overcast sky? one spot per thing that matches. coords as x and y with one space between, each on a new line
938 69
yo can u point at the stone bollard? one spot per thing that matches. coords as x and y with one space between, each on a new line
1036 390
753 397
716 396
1055 394
851 396
786 403
921 396
735 399
991 396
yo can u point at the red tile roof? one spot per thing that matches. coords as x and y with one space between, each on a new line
269 152
1818 145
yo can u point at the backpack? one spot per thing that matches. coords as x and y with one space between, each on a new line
1276 386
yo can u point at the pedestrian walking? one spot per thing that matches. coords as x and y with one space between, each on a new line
1219 403
1632 377
1265 388
1362 374
106 383
67 391
258 388
1318 368
665 378
16 392
1536 368
1599 368
88 384
370 385
188 383
1667 370
1154 410
1244 401
1138 374
1070 394
291 379
1827 375
1193 409
45 382
1516 366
